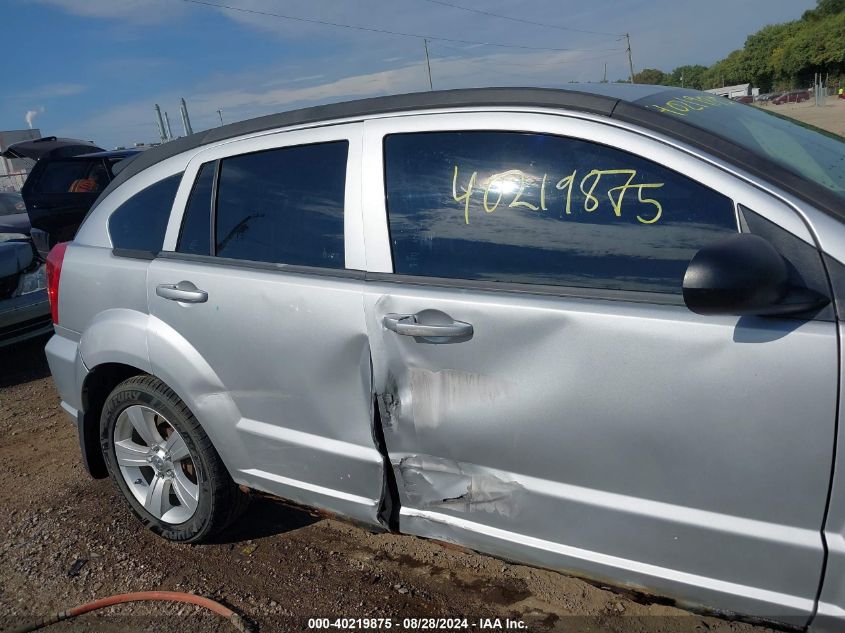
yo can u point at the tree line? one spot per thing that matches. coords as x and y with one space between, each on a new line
777 57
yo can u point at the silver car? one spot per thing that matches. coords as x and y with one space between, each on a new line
596 330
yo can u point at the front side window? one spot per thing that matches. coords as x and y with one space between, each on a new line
139 223
283 206
541 209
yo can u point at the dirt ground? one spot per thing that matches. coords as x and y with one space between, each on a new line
68 539
830 116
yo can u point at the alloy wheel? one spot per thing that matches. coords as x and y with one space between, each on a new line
156 464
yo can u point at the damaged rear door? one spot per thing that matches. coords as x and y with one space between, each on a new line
544 393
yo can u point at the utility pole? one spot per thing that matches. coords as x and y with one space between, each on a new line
604 81
428 64
630 59
220 114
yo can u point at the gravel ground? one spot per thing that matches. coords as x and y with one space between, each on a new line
68 539
830 116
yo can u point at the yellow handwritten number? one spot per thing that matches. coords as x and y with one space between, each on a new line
506 176
591 202
516 202
566 183
656 204
467 192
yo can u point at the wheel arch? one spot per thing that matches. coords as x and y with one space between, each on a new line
96 387
122 343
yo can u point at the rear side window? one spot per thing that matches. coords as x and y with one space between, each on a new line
283 206
195 236
542 209
139 223
73 176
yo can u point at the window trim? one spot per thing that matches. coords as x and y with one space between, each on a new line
229 262
521 288
212 212
133 253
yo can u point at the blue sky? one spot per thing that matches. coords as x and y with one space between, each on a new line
94 68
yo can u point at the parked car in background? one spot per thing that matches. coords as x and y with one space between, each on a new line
744 99
67 178
593 329
766 99
13 217
795 96
24 308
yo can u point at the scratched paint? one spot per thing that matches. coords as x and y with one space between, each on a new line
438 395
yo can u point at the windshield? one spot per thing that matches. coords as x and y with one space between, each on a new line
807 151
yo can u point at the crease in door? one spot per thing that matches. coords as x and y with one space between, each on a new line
433 482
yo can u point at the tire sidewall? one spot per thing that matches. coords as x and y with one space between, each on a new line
124 396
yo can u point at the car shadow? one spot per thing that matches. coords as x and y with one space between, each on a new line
266 516
23 362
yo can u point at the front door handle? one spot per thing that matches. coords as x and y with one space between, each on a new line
184 291
408 325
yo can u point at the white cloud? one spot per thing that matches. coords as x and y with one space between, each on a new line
139 11
47 91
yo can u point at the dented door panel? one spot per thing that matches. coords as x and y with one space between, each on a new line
640 443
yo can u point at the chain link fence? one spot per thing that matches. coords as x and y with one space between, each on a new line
13 181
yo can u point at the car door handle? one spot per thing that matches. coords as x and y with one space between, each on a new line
184 291
407 325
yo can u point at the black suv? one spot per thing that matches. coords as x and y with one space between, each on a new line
67 178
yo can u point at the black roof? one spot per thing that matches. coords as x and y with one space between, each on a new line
624 102
118 154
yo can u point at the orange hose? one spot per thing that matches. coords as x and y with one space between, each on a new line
166 596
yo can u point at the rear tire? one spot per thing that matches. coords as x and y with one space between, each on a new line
163 463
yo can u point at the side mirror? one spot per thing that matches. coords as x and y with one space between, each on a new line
744 275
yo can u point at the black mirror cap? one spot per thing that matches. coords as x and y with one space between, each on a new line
744 275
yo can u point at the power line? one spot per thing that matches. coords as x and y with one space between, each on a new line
387 32
522 20
499 65
545 64
537 65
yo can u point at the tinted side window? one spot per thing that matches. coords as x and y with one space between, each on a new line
541 209
284 205
140 222
195 236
